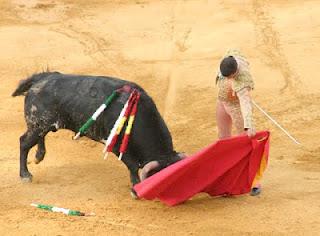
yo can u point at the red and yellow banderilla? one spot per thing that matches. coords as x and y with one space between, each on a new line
129 108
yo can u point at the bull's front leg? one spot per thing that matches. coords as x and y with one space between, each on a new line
134 176
133 168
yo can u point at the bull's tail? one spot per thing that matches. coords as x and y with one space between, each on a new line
26 84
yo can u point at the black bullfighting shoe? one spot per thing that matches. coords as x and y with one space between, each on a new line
255 191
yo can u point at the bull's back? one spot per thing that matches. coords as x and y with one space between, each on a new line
70 100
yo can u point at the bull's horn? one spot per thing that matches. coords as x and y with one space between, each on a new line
182 155
147 168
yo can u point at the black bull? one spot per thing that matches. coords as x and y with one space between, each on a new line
57 101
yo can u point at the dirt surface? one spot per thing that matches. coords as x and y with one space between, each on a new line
171 48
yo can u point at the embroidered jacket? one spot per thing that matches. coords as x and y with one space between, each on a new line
235 92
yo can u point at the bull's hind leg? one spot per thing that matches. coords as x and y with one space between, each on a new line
27 141
41 151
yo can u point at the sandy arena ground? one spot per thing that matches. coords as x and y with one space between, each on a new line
172 48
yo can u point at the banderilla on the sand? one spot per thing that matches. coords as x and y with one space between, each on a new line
62 210
276 123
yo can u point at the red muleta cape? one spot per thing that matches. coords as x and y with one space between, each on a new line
226 167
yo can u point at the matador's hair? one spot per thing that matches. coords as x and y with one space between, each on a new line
228 66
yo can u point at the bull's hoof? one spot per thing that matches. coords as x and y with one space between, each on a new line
26 179
134 195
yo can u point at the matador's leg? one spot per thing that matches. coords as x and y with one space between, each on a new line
224 121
